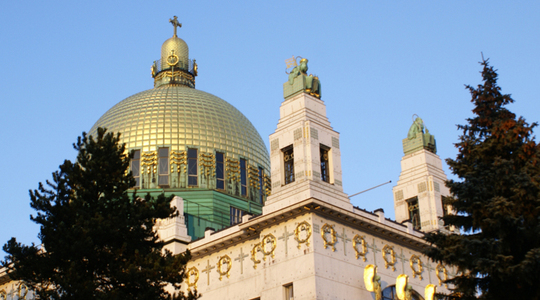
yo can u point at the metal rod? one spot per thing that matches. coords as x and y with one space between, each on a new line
369 189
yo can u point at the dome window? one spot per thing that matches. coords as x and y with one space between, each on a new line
192 167
243 177
163 175
136 167
220 171
261 185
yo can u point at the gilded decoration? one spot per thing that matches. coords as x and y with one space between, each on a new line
173 59
360 246
268 245
302 233
442 274
224 266
372 281
192 277
389 256
21 292
149 162
402 287
253 179
207 164
267 185
328 234
232 169
430 291
416 266
178 159
256 249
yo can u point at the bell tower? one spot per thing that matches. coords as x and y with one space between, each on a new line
304 150
420 192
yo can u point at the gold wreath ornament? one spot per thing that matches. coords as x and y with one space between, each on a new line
256 248
268 239
441 270
415 260
359 242
389 250
303 227
224 266
193 271
332 242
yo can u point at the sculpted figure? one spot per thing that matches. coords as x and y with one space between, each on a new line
416 127
300 69
408 292
377 287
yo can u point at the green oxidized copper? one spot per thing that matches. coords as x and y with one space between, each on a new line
419 138
299 82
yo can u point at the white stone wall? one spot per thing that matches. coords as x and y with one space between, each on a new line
315 272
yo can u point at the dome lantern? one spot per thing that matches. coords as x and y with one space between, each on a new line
174 66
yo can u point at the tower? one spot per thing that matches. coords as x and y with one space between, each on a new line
420 191
305 155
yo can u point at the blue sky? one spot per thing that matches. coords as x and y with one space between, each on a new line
65 63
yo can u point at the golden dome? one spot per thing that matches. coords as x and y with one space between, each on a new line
180 117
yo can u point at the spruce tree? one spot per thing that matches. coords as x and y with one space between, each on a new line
97 238
496 202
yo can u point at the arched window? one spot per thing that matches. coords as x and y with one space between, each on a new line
389 293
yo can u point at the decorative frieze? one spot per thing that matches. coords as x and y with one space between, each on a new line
436 186
398 195
274 144
422 187
335 142
297 134
314 133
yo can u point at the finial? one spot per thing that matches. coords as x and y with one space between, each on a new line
175 23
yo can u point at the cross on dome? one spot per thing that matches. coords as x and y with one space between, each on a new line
175 24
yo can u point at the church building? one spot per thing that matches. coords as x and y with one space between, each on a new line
276 224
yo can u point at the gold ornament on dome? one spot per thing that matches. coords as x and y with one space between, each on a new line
256 249
359 246
389 256
442 274
328 230
192 277
268 245
302 233
224 266
416 266
172 59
